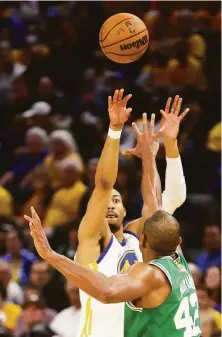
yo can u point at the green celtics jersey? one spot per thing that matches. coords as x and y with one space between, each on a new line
178 316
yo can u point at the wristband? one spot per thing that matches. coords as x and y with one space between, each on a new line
114 134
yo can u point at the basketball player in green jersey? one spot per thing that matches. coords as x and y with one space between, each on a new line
159 293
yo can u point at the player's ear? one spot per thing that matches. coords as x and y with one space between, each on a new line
124 213
143 241
180 241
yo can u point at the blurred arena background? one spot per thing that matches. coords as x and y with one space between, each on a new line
54 83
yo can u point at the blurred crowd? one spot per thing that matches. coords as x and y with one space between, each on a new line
54 84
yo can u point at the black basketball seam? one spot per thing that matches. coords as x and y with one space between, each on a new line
114 27
127 38
126 54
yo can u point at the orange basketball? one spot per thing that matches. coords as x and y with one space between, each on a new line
123 38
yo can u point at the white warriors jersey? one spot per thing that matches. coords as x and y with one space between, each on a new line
107 320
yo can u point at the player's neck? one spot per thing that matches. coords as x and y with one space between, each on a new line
119 234
148 256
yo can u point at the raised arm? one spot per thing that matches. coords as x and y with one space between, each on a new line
93 226
141 278
151 185
149 177
174 194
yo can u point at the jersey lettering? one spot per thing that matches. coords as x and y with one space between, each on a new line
183 319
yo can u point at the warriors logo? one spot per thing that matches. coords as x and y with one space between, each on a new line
126 261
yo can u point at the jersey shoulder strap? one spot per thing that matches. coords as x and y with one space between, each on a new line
164 265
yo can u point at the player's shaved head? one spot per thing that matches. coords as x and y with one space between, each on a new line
162 233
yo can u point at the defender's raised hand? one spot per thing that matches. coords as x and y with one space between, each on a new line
40 240
171 119
118 112
146 138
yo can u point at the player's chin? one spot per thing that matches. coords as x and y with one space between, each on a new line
112 221
114 225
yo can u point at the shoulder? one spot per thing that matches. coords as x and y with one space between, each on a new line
151 275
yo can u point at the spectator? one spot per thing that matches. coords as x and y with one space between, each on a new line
5 228
6 203
90 179
196 273
185 71
212 245
47 93
38 115
15 103
37 193
70 316
20 259
62 145
42 279
34 311
213 284
65 202
9 310
206 308
33 155
13 290
69 249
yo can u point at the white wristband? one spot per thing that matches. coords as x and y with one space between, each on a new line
114 134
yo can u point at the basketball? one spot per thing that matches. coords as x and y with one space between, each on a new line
123 38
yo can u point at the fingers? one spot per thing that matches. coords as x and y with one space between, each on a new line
32 229
115 96
121 92
152 123
167 106
181 117
177 110
28 218
163 113
174 104
110 102
127 98
128 152
35 217
128 111
145 123
159 133
135 128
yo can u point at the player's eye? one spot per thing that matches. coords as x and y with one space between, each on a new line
116 201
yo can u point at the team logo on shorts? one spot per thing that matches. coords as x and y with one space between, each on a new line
126 261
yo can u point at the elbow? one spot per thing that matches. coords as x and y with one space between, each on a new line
103 184
107 296
179 201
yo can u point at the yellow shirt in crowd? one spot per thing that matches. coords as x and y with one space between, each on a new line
51 166
64 204
6 202
12 312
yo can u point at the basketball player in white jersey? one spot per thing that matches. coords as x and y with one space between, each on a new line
114 253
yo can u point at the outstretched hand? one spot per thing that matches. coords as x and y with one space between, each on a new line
118 112
147 138
40 240
171 119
